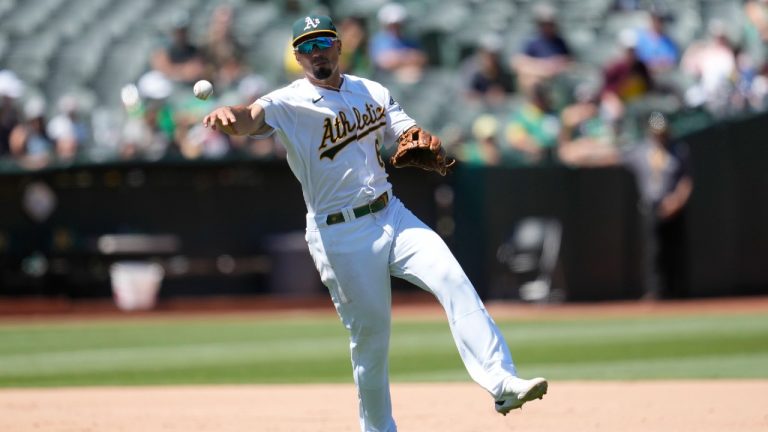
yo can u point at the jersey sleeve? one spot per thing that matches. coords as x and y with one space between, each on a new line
276 113
397 120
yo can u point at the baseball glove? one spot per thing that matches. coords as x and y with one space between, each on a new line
419 148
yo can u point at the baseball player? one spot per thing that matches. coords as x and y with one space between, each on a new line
359 234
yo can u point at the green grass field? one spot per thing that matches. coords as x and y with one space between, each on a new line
238 349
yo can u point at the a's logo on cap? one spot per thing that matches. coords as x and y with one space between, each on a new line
311 23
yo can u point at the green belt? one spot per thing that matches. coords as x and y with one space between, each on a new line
376 205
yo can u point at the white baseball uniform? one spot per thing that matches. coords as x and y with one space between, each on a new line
332 140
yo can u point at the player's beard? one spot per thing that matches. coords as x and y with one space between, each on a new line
321 72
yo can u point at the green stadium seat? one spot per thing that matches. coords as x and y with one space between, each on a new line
100 45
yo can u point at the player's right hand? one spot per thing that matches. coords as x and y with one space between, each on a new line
222 119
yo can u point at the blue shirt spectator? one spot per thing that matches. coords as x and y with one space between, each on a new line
383 42
654 46
391 51
545 46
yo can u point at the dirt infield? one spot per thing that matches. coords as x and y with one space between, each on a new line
659 406
570 406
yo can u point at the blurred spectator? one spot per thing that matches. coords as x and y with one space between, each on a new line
751 85
755 31
196 141
662 171
354 58
484 74
191 140
142 136
712 63
150 129
626 5
220 43
532 132
9 118
654 46
223 52
251 88
586 137
392 52
627 78
180 60
546 54
11 88
29 142
483 147
67 129
229 74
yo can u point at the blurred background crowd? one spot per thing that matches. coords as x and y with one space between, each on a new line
504 82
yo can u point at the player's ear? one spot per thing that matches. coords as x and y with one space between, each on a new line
338 45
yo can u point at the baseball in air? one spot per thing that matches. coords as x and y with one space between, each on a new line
203 89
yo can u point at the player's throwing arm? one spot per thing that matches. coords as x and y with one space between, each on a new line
238 120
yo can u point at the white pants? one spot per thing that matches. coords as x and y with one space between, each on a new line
355 260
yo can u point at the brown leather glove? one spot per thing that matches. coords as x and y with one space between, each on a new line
419 148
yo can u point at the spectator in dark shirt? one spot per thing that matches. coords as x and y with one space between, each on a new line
484 74
11 88
180 60
544 55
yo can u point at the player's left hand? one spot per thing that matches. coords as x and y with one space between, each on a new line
419 148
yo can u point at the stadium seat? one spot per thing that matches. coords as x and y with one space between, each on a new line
29 17
361 8
102 45
4 44
6 6
252 20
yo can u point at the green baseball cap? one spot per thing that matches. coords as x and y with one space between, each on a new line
312 26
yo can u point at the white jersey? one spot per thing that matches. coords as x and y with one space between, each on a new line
333 139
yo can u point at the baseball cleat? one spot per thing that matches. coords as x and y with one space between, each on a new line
518 391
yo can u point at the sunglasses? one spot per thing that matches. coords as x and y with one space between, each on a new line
319 43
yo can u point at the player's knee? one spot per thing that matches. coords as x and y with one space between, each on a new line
372 330
371 334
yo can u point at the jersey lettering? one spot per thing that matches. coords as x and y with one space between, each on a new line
341 130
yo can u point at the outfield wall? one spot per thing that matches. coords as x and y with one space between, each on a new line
235 227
